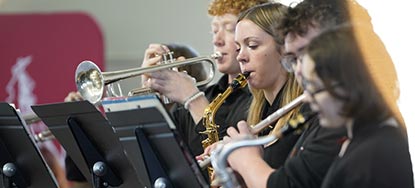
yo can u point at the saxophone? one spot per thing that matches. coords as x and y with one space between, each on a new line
210 111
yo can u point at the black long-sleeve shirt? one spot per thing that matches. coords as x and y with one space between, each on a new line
234 109
311 157
276 154
377 156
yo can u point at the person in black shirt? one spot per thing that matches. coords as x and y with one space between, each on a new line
341 88
272 87
179 87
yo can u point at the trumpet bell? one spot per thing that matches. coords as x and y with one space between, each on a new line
89 81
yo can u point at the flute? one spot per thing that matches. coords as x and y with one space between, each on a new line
264 123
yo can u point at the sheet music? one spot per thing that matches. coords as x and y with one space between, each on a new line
137 102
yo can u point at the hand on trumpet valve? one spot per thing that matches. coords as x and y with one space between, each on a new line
153 56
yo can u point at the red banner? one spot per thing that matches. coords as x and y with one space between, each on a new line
39 54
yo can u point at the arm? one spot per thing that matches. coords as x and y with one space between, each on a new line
177 86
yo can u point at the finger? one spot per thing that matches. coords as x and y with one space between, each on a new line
181 58
78 96
155 50
151 61
161 48
231 131
70 97
157 84
150 53
226 139
165 48
243 127
161 75
210 148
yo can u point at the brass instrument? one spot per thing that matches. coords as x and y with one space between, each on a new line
264 123
90 80
210 111
43 136
30 118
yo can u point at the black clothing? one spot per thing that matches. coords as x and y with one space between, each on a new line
276 154
311 157
234 109
377 156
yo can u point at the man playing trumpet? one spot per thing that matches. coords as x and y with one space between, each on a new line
179 87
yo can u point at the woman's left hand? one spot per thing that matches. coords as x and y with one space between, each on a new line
239 158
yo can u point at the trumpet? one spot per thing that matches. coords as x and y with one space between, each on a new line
30 118
264 123
90 80
46 135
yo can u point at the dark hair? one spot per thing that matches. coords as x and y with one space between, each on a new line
342 58
322 14
196 70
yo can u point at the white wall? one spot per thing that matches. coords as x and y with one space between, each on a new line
393 20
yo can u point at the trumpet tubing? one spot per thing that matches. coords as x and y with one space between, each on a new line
43 136
90 80
30 118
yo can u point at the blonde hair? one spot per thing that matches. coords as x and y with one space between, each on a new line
221 7
291 91
266 16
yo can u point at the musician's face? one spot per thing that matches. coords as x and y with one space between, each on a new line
318 97
294 46
223 31
258 54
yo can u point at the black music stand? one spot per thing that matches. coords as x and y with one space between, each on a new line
21 163
147 127
91 143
